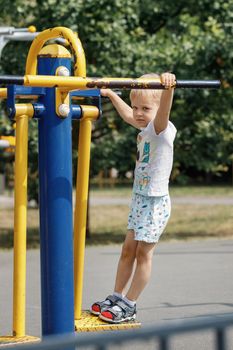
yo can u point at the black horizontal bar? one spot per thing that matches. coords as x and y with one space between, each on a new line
11 79
102 83
198 84
126 84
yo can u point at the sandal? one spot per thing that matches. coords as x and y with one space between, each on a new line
100 306
125 313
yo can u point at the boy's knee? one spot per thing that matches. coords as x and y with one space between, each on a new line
127 252
143 255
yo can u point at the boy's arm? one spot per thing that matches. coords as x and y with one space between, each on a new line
163 113
122 108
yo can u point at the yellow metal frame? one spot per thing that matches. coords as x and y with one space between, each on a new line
80 215
3 92
82 82
20 224
11 142
23 113
20 142
24 109
53 33
10 139
11 340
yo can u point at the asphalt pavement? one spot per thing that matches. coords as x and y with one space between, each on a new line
190 280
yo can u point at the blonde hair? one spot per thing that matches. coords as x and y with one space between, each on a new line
154 94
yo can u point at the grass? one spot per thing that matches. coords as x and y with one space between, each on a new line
200 221
187 222
178 191
108 222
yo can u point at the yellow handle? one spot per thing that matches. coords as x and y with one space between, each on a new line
53 33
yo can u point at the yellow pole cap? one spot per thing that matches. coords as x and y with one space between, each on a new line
32 29
54 50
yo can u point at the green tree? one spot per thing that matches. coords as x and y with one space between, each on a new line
129 38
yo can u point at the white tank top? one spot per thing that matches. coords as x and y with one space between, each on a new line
154 160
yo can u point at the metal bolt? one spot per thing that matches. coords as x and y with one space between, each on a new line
62 71
63 110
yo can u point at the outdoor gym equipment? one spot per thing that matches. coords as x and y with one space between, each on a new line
16 34
8 34
7 142
59 100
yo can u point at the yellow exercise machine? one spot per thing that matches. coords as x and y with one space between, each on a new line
62 257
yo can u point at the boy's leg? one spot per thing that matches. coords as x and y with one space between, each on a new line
126 262
125 310
124 272
144 255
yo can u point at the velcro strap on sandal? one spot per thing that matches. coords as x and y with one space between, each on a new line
112 298
123 305
113 312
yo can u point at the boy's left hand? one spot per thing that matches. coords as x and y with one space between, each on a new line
168 80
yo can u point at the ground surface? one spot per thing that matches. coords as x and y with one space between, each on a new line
190 280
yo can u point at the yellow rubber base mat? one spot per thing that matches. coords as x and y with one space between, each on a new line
87 323
91 323
11 340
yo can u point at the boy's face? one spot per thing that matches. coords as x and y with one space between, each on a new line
144 109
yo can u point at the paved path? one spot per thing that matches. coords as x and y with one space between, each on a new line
190 280
8 202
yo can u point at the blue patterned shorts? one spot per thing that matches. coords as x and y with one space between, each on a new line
148 217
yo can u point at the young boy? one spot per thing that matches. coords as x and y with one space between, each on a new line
150 206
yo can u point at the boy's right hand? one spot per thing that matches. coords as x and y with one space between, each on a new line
168 80
105 92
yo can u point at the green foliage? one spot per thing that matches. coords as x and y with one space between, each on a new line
131 37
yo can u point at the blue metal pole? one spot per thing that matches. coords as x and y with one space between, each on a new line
55 198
